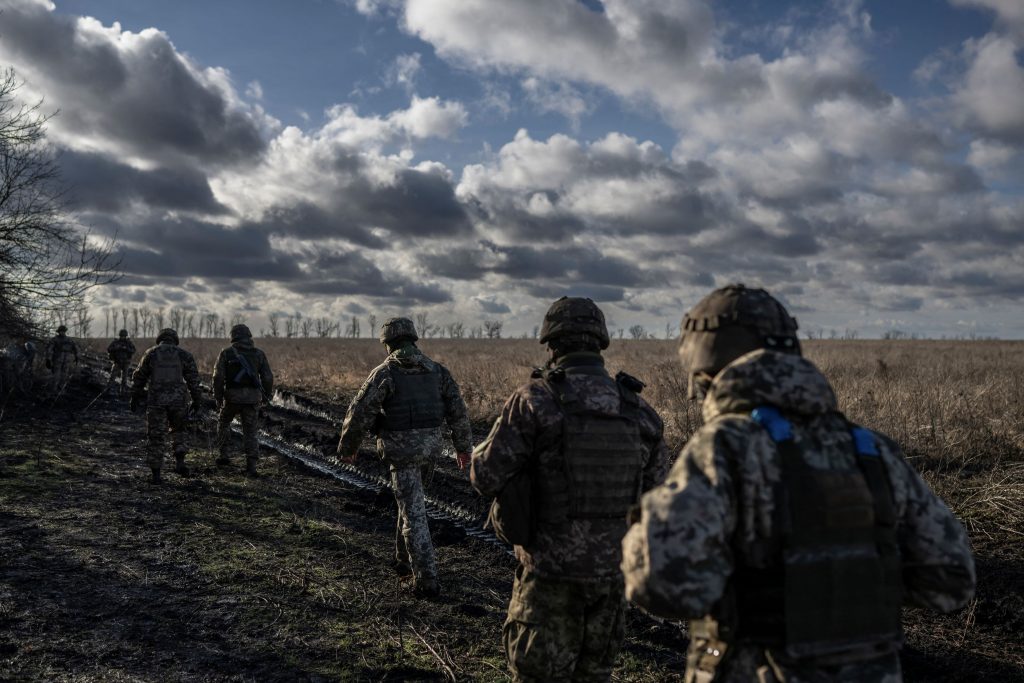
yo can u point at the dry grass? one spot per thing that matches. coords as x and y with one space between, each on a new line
956 407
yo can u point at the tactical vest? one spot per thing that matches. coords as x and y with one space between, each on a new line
167 368
837 584
63 345
415 403
235 375
601 455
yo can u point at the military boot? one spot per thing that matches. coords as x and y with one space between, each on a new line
427 587
179 465
250 468
155 479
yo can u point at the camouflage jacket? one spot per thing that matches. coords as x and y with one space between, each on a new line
62 346
529 429
408 447
717 506
245 395
121 351
169 393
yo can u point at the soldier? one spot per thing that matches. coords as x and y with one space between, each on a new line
241 381
62 352
172 376
18 359
120 352
590 446
405 401
789 536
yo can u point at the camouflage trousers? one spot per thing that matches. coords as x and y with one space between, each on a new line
412 538
248 415
562 629
122 370
62 369
745 663
161 420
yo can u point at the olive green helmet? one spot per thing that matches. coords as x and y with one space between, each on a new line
240 332
167 334
728 323
122 333
395 329
574 316
62 329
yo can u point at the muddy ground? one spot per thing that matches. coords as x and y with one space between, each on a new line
216 577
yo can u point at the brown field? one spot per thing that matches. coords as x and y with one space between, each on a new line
956 407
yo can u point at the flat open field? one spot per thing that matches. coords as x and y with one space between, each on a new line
103 577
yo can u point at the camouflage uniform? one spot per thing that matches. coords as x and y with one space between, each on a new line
237 393
566 615
120 351
718 515
63 353
406 451
172 377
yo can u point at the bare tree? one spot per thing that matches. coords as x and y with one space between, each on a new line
178 319
124 318
637 332
306 326
456 330
536 331
274 320
492 328
352 329
670 331
83 321
422 324
325 327
147 321
158 319
46 262
372 322
190 324
106 322
135 322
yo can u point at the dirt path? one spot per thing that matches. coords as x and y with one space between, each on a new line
104 577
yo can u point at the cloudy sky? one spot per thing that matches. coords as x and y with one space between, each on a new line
475 159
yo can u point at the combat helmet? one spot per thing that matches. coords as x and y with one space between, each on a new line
728 323
240 332
574 316
62 329
395 329
167 334
122 333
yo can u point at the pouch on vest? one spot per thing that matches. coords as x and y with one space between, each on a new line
415 403
838 585
511 514
602 455
167 369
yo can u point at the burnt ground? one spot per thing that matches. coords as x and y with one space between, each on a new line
105 577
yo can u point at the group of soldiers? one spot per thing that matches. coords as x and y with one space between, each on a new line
787 536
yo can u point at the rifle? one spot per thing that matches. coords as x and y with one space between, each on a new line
248 370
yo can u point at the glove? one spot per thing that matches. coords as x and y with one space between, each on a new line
463 459
133 404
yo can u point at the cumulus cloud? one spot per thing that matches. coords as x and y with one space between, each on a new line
130 94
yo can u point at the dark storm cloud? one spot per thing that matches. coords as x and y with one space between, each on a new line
416 205
350 273
516 262
97 183
139 91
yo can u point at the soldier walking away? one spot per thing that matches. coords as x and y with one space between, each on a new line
62 356
789 536
406 401
120 352
18 359
172 377
588 445
242 380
